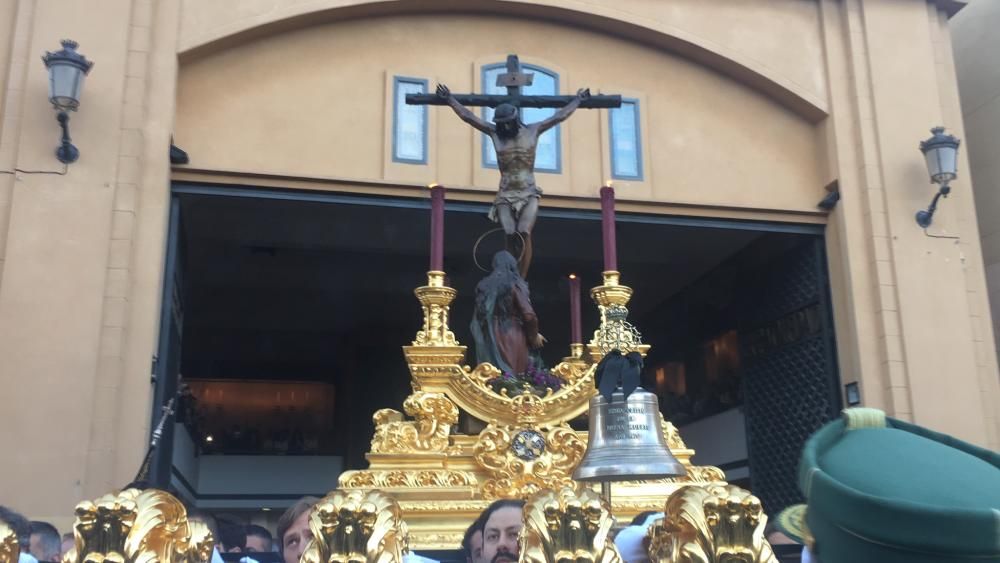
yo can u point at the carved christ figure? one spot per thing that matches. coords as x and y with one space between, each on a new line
516 204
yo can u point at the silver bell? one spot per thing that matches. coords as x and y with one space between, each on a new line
626 440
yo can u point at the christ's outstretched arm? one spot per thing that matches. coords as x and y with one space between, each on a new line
562 113
463 112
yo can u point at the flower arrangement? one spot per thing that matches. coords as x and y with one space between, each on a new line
535 380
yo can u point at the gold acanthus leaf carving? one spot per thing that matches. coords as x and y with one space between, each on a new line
511 476
671 435
136 526
367 479
10 548
356 527
567 527
709 524
434 416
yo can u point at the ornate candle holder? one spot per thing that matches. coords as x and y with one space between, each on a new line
612 299
435 343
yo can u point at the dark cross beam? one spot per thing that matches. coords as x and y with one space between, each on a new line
513 80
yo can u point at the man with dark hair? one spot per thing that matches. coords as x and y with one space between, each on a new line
472 542
258 539
293 529
502 523
232 537
44 542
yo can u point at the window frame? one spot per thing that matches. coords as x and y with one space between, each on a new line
638 142
487 142
425 83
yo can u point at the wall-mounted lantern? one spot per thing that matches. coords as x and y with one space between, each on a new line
66 71
941 154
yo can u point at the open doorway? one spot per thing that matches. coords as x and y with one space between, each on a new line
295 306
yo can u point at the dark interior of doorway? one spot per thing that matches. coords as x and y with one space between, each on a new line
316 298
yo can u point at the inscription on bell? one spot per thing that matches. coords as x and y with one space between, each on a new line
626 422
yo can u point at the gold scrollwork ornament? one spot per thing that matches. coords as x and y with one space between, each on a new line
567 527
136 526
424 478
522 461
709 524
356 527
434 416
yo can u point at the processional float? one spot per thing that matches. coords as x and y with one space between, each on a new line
426 482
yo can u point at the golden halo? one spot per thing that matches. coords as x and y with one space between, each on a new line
475 249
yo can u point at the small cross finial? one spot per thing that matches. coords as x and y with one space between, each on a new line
514 79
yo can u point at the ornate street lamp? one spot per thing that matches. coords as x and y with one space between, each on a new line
941 153
66 71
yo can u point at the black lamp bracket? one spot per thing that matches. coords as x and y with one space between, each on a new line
66 153
926 216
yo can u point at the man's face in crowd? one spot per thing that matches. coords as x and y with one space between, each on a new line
257 544
296 538
476 545
500 535
37 549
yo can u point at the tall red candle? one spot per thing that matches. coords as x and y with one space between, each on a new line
575 330
608 229
437 228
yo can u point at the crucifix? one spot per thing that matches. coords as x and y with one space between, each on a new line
515 142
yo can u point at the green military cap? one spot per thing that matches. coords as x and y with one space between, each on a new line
883 490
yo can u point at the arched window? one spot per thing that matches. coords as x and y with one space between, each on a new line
545 82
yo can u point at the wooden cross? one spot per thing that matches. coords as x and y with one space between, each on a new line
514 79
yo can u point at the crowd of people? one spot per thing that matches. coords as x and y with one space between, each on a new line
40 542
877 490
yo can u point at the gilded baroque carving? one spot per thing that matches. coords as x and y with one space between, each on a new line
434 415
201 543
136 526
710 524
356 527
671 435
566 527
367 479
518 474
10 549
470 390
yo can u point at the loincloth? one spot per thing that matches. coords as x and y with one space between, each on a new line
515 199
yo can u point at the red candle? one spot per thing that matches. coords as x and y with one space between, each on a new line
608 228
575 330
437 228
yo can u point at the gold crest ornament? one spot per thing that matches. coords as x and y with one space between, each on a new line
136 526
566 527
521 461
711 524
356 527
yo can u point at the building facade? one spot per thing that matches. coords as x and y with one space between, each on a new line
736 111
979 86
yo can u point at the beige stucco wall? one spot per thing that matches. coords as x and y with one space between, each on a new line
750 110
976 42
328 113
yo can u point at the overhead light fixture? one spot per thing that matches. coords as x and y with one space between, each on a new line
66 71
941 154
